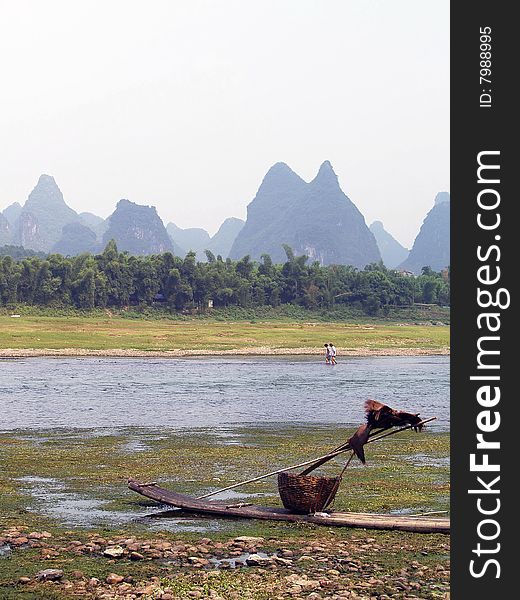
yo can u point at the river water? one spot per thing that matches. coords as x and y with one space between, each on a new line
46 393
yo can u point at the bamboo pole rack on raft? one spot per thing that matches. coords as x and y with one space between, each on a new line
340 450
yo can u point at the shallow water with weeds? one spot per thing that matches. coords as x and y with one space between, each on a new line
79 479
73 484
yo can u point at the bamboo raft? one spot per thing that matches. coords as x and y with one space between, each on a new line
305 497
417 524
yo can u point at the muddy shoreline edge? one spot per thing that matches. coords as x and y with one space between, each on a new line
252 351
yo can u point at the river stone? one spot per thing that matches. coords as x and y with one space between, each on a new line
35 535
114 552
49 575
283 561
114 578
303 581
246 539
255 560
20 541
147 590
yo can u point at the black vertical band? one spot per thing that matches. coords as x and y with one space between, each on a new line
483 123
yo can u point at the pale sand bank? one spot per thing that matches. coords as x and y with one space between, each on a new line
252 351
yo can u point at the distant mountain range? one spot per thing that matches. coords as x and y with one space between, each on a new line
137 229
315 219
222 241
12 212
45 223
199 240
193 238
5 230
431 247
392 252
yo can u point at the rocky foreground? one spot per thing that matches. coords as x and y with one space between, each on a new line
361 567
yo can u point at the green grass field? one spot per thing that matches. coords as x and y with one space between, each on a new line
106 333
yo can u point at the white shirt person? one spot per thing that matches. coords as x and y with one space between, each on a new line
333 353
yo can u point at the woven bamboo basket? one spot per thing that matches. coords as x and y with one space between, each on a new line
306 494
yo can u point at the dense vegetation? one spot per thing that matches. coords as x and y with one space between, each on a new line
117 279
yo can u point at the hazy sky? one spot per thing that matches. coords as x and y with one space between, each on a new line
186 104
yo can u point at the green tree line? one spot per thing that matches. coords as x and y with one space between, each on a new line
117 279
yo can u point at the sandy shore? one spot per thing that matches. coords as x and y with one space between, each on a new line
252 351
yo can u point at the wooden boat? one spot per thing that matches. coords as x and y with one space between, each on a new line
418 524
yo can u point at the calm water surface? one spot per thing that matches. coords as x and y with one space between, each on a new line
43 393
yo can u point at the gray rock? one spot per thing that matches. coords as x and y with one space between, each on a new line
256 560
114 552
49 575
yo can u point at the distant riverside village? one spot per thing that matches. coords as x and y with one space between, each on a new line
302 243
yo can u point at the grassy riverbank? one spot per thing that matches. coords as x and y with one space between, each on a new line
73 488
106 332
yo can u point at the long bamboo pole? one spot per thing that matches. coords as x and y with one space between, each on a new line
309 462
346 446
431 512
